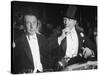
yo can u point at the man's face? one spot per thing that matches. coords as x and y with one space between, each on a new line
69 23
31 24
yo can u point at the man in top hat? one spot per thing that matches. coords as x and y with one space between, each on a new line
75 45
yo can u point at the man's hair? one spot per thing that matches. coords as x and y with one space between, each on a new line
31 14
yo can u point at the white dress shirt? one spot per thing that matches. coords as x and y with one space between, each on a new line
72 43
33 43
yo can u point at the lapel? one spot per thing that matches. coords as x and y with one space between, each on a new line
27 48
40 43
64 44
80 40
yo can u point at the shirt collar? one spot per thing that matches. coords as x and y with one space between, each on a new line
32 36
72 30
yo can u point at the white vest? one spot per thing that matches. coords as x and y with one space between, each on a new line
72 44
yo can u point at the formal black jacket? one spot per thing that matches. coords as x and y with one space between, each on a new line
83 42
22 57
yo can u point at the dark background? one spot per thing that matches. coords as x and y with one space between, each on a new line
52 14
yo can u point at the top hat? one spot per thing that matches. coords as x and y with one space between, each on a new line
71 12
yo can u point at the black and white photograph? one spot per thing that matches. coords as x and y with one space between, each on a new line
53 37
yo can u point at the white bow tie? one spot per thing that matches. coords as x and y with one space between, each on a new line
32 37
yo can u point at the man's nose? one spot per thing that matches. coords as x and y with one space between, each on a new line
31 26
66 21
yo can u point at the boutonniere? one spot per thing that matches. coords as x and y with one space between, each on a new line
82 35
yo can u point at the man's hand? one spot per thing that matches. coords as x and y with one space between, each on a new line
13 45
88 52
63 35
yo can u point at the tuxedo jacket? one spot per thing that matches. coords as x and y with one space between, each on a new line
83 42
22 57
